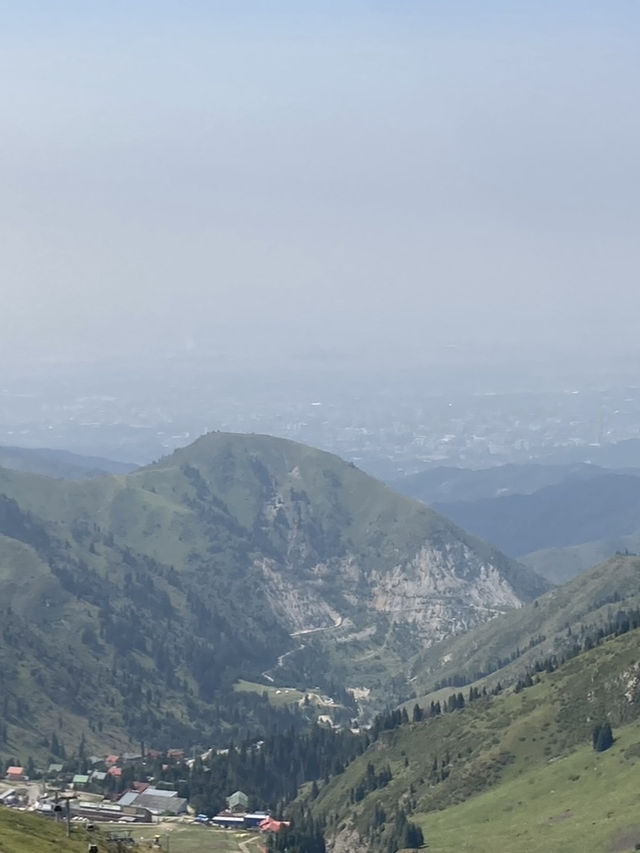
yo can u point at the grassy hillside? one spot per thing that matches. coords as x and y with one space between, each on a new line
21 832
493 760
137 601
585 802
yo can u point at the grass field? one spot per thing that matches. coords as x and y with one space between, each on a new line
278 696
179 838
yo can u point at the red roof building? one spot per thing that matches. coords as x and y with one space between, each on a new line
270 824
16 774
115 771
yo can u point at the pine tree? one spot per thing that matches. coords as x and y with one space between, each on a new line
602 737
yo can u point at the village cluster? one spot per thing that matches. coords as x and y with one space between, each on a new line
141 802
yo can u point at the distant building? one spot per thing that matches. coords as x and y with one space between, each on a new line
79 781
16 774
175 754
269 824
154 800
228 821
237 802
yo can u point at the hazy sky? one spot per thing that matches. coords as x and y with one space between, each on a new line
302 177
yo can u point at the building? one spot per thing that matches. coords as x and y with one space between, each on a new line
16 774
110 812
270 824
255 819
79 781
228 821
155 800
237 802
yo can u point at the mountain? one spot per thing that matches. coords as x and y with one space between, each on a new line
451 485
549 626
571 513
561 564
515 772
136 601
60 463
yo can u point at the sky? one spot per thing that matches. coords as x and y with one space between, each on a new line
344 181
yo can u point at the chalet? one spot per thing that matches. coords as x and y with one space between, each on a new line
54 769
98 776
16 774
237 802
112 759
115 771
79 781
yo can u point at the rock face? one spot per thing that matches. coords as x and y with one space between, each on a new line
334 544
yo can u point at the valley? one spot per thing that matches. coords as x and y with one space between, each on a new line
248 590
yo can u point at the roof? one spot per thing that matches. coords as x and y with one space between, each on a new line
174 805
160 792
80 779
112 759
237 797
15 771
272 825
115 771
98 775
55 768
229 818
129 798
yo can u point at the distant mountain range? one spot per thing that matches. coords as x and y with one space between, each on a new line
60 463
558 519
133 603
446 484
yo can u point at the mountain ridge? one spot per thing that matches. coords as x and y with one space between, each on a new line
194 571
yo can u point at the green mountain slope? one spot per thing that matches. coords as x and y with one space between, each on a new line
27 833
550 625
492 762
132 603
